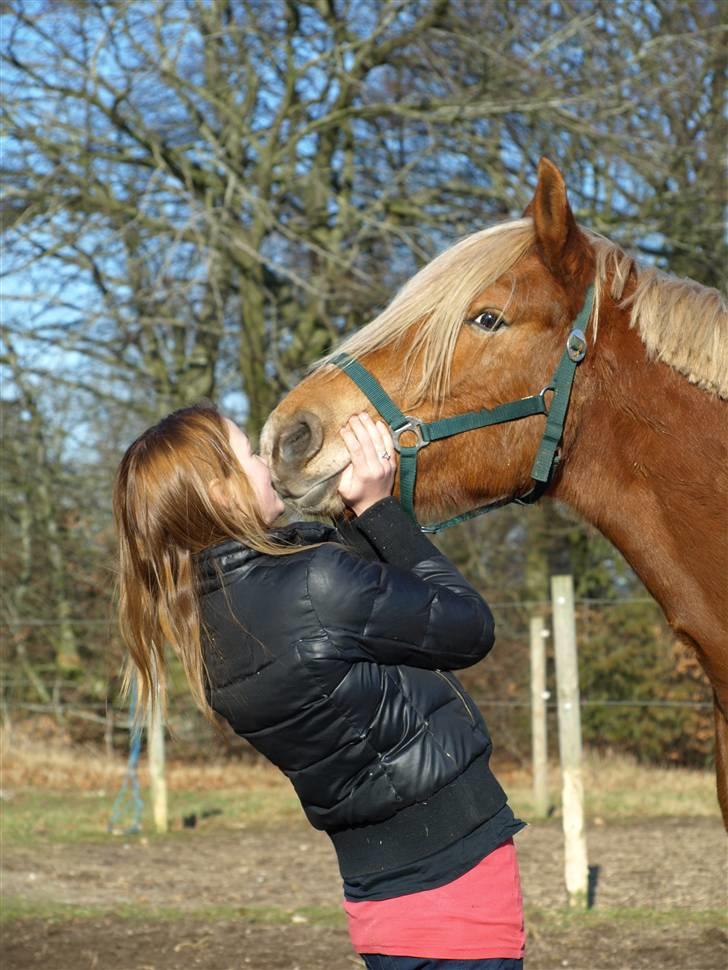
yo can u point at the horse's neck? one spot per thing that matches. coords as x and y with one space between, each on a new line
645 462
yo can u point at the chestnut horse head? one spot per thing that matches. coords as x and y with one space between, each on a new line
483 324
644 448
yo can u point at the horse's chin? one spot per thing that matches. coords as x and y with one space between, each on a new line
329 505
320 499
330 508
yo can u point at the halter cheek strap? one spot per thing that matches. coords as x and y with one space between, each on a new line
547 457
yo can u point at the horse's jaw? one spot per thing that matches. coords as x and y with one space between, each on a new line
319 498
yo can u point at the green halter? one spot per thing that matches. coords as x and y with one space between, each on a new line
547 456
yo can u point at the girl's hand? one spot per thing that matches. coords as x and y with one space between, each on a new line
370 475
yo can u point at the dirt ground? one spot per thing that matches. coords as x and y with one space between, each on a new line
660 887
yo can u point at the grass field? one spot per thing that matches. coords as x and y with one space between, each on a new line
65 794
254 886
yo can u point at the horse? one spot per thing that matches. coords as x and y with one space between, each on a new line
642 449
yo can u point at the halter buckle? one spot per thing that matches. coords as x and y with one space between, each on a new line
576 345
416 427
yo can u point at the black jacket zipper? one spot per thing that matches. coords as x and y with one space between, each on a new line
459 694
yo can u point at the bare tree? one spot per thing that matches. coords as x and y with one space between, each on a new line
201 196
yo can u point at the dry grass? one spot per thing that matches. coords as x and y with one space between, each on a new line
52 764
615 785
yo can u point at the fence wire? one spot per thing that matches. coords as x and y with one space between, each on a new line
42 691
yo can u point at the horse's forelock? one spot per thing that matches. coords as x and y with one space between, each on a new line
438 298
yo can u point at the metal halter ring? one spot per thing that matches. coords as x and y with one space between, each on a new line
416 427
542 395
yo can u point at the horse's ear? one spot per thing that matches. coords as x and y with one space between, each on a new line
553 220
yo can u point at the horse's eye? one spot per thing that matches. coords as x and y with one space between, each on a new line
489 320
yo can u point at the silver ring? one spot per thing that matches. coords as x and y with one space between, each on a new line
385 456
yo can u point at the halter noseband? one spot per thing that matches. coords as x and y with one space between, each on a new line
547 456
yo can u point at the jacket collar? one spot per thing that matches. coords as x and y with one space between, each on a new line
225 557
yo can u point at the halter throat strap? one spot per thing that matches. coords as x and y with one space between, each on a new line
402 425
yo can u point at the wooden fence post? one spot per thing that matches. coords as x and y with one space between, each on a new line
157 779
539 747
576 869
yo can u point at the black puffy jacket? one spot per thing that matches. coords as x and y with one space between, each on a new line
337 669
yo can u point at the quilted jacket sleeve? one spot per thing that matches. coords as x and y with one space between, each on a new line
414 607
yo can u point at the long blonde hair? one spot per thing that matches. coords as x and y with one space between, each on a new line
165 514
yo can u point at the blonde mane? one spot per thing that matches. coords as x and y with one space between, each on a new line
680 322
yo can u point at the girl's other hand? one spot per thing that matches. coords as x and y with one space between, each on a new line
369 477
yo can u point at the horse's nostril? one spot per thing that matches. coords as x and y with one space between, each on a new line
296 440
300 439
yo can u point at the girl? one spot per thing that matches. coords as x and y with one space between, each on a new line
331 651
